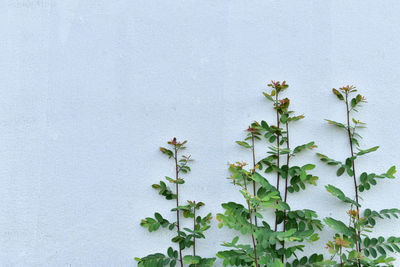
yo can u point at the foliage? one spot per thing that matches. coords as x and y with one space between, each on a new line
269 245
351 244
280 243
186 237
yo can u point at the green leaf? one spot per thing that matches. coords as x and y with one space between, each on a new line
284 118
158 217
366 151
338 94
338 226
244 144
391 172
363 177
235 240
268 96
309 145
328 160
349 162
188 259
338 124
167 152
340 171
367 213
263 182
340 195
308 167
373 253
265 125
170 252
353 102
164 190
303 175
349 171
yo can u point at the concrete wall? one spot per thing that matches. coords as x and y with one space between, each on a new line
91 89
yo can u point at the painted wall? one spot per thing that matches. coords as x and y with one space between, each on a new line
91 89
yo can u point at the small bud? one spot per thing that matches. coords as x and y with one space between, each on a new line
251 130
347 88
353 213
173 142
341 242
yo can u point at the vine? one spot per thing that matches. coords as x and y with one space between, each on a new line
280 243
186 237
268 243
351 243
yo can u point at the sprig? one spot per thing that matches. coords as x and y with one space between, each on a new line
271 245
186 237
352 245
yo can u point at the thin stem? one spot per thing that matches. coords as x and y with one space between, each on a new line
254 169
251 227
357 234
194 230
286 183
341 260
177 200
278 155
287 158
351 150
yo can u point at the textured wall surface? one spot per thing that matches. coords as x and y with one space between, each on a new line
91 89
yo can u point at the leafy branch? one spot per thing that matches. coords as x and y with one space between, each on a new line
351 236
186 237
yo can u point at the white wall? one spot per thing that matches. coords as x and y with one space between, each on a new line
91 89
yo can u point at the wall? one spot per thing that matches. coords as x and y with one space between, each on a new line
91 89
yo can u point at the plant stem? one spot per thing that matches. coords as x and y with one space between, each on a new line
341 260
251 227
357 234
254 169
194 230
278 155
286 184
287 159
177 200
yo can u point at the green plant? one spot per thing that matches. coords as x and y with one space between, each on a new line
351 245
268 245
186 237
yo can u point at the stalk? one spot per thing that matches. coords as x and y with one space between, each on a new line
278 155
287 159
357 234
194 229
286 184
177 200
254 169
251 227
341 260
